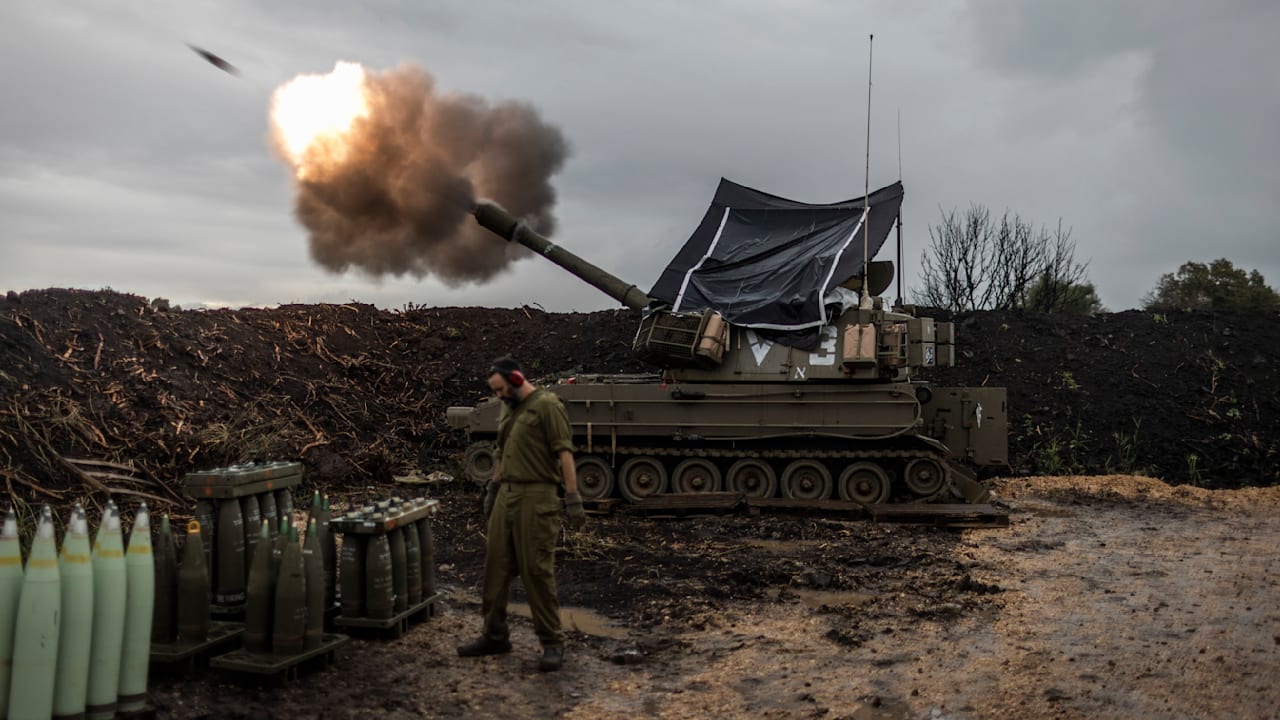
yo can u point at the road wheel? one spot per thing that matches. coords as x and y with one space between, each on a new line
753 478
642 477
864 482
806 480
595 477
696 475
925 476
479 462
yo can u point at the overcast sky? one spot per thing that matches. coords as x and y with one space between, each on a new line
1149 128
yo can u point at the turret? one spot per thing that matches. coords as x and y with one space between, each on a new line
865 344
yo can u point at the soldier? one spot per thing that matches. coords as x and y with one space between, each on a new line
522 505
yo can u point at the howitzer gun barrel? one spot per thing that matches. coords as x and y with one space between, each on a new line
497 220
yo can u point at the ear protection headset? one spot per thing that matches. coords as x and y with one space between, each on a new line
511 375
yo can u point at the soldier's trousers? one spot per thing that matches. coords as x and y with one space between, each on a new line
523 528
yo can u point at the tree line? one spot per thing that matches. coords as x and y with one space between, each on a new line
976 261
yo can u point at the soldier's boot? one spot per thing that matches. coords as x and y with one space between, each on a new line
552 658
484 646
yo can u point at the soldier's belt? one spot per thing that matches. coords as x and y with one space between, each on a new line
521 481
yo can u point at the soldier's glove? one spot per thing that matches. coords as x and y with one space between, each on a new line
490 496
573 506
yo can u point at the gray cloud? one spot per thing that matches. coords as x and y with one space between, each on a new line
1146 127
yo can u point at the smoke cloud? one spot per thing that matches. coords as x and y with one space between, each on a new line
395 196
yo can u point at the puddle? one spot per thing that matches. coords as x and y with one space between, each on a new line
818 598
580 619
571 618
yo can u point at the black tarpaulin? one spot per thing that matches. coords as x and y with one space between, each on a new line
767 262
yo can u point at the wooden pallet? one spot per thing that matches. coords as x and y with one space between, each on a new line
288 667
396 625
190 655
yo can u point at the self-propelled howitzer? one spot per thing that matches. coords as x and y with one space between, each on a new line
737 408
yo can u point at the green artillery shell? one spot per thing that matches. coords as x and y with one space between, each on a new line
352 575
313 574
278 543
252 517
379 588
164 619
10 593
427 546
109 596
412 563
75 565
267 506
207 516
230 555
284 503
260 596
289 625
35 642
313 510
135 655
193 589
399 572
329 544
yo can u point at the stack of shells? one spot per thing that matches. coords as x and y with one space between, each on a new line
230 531
75 626
384 574
290 584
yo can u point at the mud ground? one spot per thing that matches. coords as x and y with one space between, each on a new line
1107 597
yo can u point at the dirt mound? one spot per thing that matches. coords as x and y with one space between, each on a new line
359 393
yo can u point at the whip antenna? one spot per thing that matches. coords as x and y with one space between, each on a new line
865 301
900 295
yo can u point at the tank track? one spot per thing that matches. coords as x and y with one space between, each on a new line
872 476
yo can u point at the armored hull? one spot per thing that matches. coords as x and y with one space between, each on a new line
791 436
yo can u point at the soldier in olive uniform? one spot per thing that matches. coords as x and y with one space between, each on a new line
534 455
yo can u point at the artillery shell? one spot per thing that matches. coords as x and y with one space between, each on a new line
164 619
10 594
252 517
260 596
399 573
379 584
313 574
35 643
110 593
207 516
230 554
329 544
352 575
193 588
71 686
412 563
427 546
289 620
267 506
284 503
135 654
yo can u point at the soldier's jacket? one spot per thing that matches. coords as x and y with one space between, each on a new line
531 436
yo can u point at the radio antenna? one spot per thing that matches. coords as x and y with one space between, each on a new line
900 295
865 300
